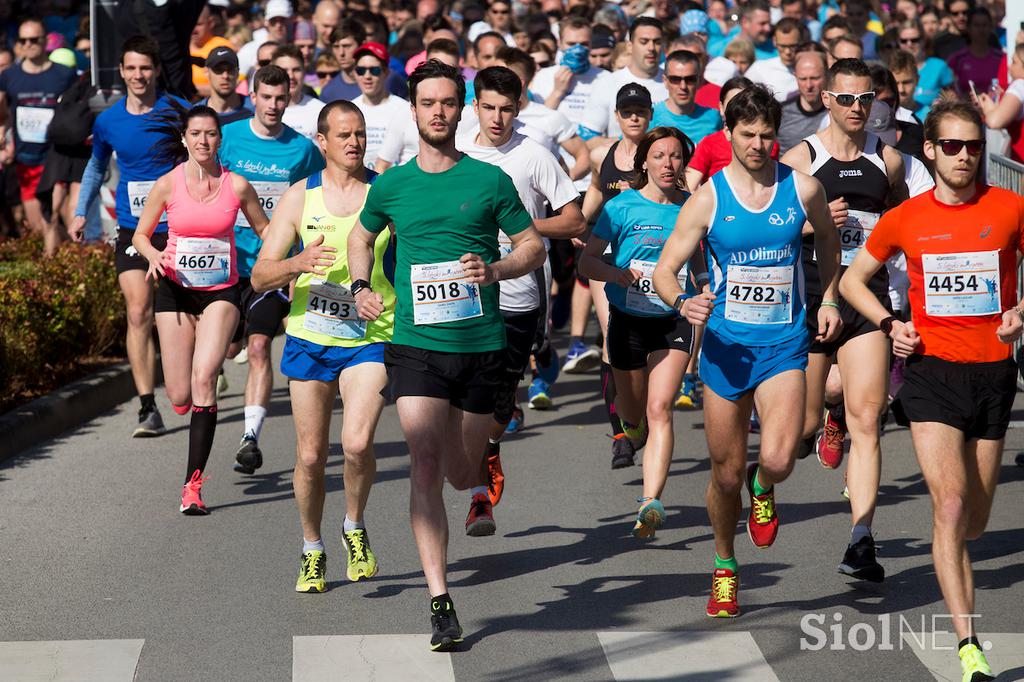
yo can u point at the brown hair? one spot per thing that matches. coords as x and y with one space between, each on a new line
643 148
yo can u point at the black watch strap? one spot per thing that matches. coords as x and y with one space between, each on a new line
358 285
886 325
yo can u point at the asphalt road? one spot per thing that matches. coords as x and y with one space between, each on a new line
103 579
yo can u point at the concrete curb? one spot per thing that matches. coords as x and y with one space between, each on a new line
67 407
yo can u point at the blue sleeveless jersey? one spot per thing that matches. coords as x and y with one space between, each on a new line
754 264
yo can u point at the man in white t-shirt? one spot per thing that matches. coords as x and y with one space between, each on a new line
539 180
381 109
778 72
303 109
277 18
645 37
497 19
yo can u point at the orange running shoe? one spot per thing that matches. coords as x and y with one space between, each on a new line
495 478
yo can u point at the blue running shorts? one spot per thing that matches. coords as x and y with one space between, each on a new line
308 361
731 369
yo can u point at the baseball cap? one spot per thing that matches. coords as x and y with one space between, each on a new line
882 122
633 96
601 38
376 49
222 55
278 8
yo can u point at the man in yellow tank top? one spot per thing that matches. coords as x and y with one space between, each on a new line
328 348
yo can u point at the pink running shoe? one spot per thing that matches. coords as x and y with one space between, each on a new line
191 499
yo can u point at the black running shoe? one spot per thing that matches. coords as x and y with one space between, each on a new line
623 452
859 561
446 631
249 458
1019 459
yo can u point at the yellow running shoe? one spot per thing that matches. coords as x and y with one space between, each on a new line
974 665
362 563
312 574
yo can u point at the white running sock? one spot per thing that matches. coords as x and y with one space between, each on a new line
353 525
312 545
254 416
858 533
477 490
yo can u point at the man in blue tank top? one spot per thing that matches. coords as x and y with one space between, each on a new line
750 217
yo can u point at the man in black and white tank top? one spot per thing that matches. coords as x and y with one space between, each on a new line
862 177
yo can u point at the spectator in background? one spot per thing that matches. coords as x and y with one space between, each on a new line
740 52
952 36
304 38
756 26
977 65
207 34
804 114
276 19
346 37
541 54
680 110
903 66
567 87
498 19
303 109
929 18
434 28
857 14
326 68
222 75
844 47
777 72
170 23
797 9
381 110
325 19
708 94
239 36
602 44
1008 113
933 74
908 133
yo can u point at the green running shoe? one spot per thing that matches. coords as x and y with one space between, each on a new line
312 574
362 562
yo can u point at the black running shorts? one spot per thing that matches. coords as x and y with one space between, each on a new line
469 381
854 324
127 258
631 338
174 298
261 313
975 398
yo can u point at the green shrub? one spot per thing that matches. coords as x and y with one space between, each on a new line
54 312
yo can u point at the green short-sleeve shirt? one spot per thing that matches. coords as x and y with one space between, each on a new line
439 217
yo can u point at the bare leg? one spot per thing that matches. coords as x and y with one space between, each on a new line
138 298
725 426
665 371
312 402
360 393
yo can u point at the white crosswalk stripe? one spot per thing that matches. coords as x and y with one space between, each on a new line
85 660
689 655
369 657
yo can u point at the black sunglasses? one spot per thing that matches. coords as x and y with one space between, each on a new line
263 62
952 147
221 70
372 70
326 74
676 80
911 41
34 40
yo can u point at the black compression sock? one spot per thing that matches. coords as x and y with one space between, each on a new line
608 393
200 437
147 402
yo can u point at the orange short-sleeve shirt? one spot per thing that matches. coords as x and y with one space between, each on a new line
962 266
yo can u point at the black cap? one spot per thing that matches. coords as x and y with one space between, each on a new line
633 96
222 55
602 37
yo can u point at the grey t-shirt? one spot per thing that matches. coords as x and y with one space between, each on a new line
797 124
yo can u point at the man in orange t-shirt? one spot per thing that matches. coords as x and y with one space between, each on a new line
961 241
203 42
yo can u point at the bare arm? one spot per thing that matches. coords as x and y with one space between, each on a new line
692 179
592 267
575 146
854 288
567 224
999 115
272 269
896 171
360 264
156 202
826 250
593 199
250 205
381 165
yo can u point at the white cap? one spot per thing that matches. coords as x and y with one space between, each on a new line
719 70
219 3
278 8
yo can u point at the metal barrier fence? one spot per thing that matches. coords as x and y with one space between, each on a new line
1002 172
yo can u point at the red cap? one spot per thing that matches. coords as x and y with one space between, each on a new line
376 49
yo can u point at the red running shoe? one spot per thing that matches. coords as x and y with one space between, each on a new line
480 520
496 479
722 602
830 444
191 496
763 522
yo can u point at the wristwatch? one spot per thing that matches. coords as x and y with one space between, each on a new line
886 325
680 300
358 285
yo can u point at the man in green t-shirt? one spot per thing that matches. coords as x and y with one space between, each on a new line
445 362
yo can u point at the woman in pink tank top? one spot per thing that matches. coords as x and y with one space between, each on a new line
197 299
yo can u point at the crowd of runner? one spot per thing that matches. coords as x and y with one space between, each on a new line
775 211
